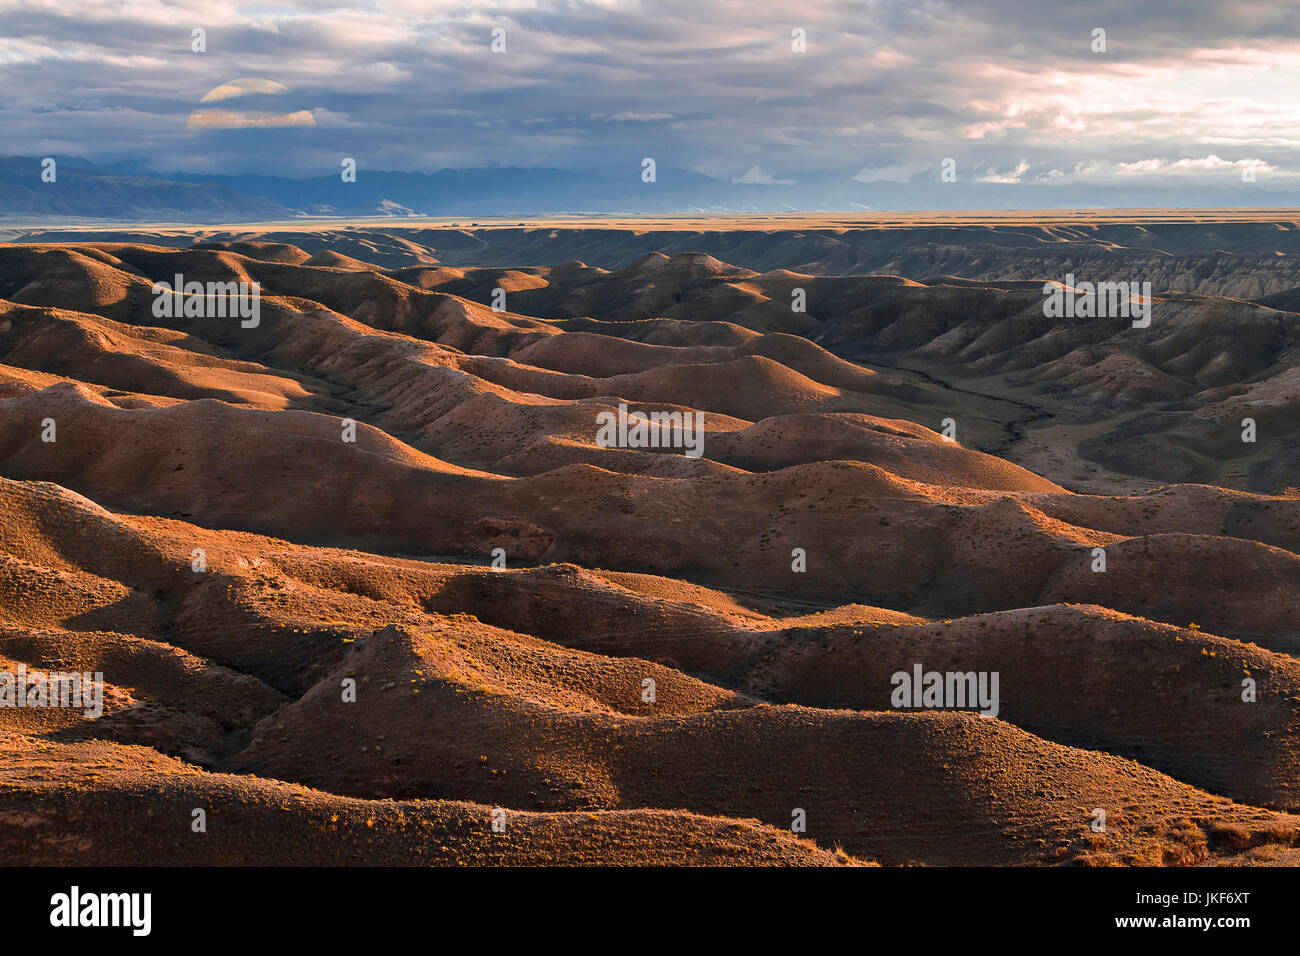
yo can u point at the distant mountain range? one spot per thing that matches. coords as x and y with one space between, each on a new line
128 192
82 191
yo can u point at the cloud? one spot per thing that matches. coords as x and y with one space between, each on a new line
756 176
896 173
887 88
1012 177
640 117
1210 170
246 119
243 87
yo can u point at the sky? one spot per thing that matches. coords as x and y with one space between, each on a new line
1016 91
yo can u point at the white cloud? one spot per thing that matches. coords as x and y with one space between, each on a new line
756 176
1012 177
895 173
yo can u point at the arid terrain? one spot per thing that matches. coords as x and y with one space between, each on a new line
366 585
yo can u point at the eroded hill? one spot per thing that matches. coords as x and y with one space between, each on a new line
366 584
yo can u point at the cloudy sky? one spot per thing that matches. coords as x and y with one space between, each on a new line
1185 90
